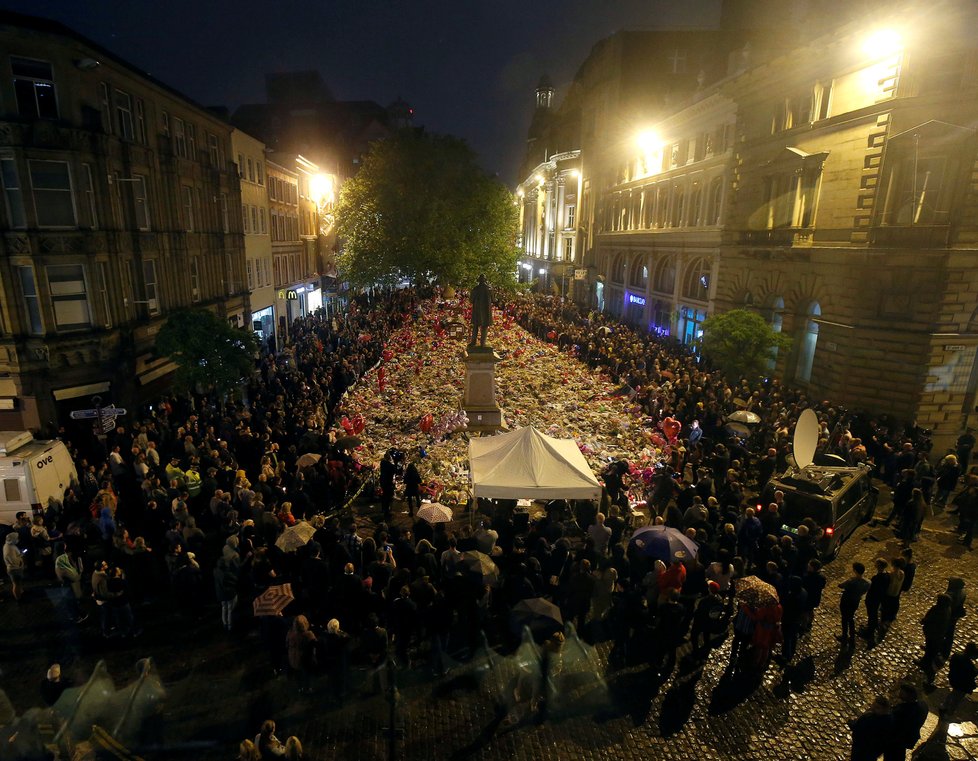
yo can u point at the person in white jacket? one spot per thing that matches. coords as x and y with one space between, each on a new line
13 559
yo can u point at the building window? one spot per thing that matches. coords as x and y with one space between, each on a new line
102 277
13 194
212 150
32 305
678 207
251 170
571 216
34 88
807 342
149 280
568 249
915 192
791 198
677 61
123 115
244 219
695 215
259 173
776 318
254 219
715 202
51 185
261 220
188 208
697 284
90 201
105 106
665 276
69 297
165 123
140 121
195 279
225 217
191 141
140 202
179 138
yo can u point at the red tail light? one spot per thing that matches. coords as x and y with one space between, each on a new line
830 531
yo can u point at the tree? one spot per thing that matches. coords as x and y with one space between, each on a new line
209 353
422 209
741 343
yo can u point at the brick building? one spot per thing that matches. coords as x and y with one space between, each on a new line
120 205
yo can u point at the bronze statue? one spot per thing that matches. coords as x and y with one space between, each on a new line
481 297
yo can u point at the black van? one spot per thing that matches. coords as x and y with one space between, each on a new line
838 499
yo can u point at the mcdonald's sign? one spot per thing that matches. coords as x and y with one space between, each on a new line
288 295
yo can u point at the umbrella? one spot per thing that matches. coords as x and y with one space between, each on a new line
480 567
295 537
540 615
348 442
604 329
744 416
434 512
307 460
663 543
738 428
273 600
755 592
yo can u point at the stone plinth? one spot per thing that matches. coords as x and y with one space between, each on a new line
479 400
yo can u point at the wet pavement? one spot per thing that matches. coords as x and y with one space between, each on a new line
221 687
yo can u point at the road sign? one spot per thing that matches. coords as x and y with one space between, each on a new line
99 411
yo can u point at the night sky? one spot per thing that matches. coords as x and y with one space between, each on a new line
467 67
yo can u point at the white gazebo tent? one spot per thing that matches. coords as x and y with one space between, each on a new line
526 464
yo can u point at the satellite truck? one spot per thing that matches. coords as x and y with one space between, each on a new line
31 471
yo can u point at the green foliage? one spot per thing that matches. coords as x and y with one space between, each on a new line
209 353
421 208
740 343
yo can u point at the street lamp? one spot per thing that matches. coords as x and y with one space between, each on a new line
648 141
883 43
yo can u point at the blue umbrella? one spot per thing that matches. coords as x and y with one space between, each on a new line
663 543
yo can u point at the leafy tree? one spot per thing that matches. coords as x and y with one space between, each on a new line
421 208
209 353
740 343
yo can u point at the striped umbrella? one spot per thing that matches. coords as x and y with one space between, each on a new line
273 600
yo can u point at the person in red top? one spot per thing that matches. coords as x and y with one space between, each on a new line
673 577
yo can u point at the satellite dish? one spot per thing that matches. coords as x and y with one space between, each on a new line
806 439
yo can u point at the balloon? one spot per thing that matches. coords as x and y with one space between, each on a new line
427 422
358 424
388 355
347 425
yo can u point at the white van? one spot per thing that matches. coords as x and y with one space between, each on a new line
30 472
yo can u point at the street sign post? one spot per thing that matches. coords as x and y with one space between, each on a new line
103 418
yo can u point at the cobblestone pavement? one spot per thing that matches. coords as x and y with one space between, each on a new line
221 688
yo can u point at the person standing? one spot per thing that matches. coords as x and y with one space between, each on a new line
909 716
890 602
935 624
600 534
853 591
963 447
872 731
874 598
955 590
948 474
13 559
412 487
962 675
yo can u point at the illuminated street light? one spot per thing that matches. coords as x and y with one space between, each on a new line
648 142
322 188
575 173
539 178
883 43
519 192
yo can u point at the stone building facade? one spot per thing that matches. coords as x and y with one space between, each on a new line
121 204
827 181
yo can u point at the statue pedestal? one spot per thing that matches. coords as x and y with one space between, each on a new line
479 400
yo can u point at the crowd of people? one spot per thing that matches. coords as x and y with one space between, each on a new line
188 502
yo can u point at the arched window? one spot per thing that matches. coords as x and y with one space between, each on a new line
807 341
696 285
694 217
640 274
617 271
662 206
665 276
678 207
715 202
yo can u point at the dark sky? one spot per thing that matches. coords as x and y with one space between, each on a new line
468 67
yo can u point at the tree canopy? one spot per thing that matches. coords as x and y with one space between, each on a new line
209 353
741 343
421 208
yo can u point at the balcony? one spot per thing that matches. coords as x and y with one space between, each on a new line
783 237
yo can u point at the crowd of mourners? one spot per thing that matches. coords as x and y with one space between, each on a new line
186 504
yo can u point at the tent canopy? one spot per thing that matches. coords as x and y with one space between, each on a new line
526 464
